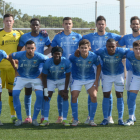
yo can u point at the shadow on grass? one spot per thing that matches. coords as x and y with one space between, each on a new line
58 126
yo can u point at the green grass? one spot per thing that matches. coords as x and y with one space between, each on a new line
60 132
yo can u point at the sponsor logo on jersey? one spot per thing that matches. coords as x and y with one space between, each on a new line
40 39
73 38
14 34
106 37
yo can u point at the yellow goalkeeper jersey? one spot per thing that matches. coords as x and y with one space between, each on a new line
9 42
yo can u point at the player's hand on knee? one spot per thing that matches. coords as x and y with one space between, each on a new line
46 98
65 94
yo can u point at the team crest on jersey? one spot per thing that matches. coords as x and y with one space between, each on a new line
40 38
14 34
117 56
62 67
106 37
89 61
73 38
35 61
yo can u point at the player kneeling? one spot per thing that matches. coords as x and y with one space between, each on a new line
83 74
56 74
134 58
28 73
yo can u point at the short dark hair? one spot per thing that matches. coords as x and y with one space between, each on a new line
100 18
29 42
136 43
111 40
134 18
67 18
56 49
34 19
84 42
8 15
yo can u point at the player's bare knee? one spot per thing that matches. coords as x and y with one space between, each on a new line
119 94
106 94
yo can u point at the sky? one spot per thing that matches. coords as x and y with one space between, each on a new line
84 9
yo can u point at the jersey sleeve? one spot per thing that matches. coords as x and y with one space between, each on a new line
68 66
116 37
71 58
2 55
16 55
122 41
97 61
48 42
126 50
21 41
45 67
54 41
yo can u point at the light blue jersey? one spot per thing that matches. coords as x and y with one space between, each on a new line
2 55
128 41
82 69
69 43
135 63
56 72
112 64
98 41
39 40
28 68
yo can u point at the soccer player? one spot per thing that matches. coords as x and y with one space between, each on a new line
134 59
28 70
9 39
112 72
83 74
3 55
40 40
128 41
56 74
98 40
69 41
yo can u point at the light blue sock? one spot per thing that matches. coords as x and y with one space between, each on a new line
105 107
110 105
93 107
0 107
46 108
65 108
120 107
27 103
59 105
131 103
74 107
89 101
38 103
16 102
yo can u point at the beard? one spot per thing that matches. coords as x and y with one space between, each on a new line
135 30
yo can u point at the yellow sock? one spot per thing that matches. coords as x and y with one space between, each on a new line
12 110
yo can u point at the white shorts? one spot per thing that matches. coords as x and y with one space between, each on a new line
0 85
60 84
135 83
77 84
20 83
108 80
128 79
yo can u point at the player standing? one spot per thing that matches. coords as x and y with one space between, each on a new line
69 41
98 40
83 74
134 59
9 40
28 70
40 40
128 41
3 55
112 72
56 74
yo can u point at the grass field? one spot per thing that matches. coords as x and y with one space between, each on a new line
60 132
